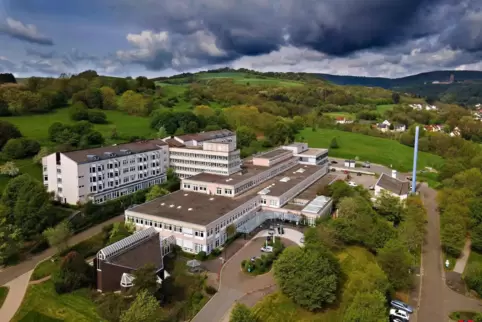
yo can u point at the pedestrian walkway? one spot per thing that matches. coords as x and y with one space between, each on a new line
463 259
17 289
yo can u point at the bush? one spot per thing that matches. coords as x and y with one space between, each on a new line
216 252
20 148
79 112
201 256
74 273
210 290
473 278
97 117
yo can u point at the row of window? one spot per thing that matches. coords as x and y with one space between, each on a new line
162 225
196 171
126 190
232 219
197 155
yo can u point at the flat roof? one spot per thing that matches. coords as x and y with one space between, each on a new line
248 171
119 150
288 179
272 154
311 191
205 136
191 207
313 151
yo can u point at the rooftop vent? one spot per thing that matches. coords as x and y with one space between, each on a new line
92 157
189 209
125 151
186 194
171 206
178 207
109 154
211 199
162 204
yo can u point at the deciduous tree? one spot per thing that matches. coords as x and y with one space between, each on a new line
156 192
241 313
145 308
367 307
58 236
396 261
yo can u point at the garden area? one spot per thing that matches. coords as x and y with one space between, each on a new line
262 264
376 150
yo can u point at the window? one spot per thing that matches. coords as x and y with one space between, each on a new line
46 178
59 171
219 191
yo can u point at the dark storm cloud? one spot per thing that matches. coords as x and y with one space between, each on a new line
25 32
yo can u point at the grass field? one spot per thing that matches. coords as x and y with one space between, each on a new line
277 307
36 126
376 150
41 300
25 166
3 294
475 259
44 269
383 108
346 115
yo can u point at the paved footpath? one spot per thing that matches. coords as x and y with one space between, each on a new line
462 260
17 289
10 273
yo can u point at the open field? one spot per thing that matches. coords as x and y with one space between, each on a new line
25 166
3 294
475 259
277 307
42 303
346 115
36 126
376 150
383 108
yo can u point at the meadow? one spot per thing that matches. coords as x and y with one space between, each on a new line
383 108
36 126
376 150
349 116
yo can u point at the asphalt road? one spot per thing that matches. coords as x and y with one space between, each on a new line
12 272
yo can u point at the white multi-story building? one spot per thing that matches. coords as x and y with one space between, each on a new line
105 173
278 184
212 152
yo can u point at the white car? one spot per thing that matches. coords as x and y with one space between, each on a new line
399 314
267 249
352 184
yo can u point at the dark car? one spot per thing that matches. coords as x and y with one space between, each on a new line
402 306
333 162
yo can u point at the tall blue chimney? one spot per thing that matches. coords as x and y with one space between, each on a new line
415 156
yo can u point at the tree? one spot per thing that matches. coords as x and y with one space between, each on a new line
156 192
9 169
74 273
473 278
145 278
133 103
395 98
241 313
231 230
396 261
308 275
367 307
58 236
204 111
338 190
4 111
280 133
121 230
162 133
145 308
120 85
244 136
390 207
111 305
109 98
334 144
43 152
9 237
476 237
8 131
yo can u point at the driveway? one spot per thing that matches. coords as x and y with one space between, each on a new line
235 284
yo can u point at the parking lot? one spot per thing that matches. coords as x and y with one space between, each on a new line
364 180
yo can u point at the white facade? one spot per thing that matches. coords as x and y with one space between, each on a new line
100 175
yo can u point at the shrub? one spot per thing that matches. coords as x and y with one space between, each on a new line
216 252
79 112
201 256
210 290
20 148
97 117
473 278
74 273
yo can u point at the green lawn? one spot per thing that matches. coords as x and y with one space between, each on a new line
376 150
277 307
346 115
44 269
475 259
383 108
3 294
36 126
267 81
42 303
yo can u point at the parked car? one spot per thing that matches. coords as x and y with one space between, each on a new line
402 306
271 232
302 240
267 249
333 162
371 187
399 314
366 165
332 170
352 184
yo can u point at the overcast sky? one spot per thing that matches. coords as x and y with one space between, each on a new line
387 38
